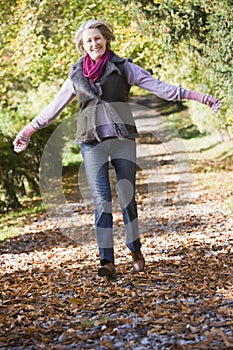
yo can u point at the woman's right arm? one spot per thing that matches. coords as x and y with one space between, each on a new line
47 115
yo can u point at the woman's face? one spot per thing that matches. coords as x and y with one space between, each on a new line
94 43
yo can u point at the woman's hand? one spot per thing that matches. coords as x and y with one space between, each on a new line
20 143
208 100
213 103
22 139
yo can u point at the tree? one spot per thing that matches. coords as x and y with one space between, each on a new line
189 43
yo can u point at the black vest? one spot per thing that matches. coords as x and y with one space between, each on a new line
110 90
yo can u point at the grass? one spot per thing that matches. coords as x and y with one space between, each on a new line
201 145
219 183
13 221
207 153
229 206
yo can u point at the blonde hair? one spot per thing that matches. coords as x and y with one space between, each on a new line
105 28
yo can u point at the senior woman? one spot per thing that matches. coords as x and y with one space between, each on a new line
101 80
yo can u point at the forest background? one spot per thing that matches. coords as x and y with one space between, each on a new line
182 42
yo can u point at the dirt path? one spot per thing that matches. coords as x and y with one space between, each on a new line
52 298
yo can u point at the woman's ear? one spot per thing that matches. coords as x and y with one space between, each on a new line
84 51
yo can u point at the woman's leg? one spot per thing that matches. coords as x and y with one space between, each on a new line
123 158
124 161
95 156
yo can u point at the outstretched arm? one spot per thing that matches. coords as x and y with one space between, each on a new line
47 115
142 78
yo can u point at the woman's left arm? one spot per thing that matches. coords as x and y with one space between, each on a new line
142 78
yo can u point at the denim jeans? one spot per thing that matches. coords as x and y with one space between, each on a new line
122 155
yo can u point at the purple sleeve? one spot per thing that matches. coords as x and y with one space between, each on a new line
142 78
51 111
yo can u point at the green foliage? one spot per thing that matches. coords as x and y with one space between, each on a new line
40 45
188 43
19 172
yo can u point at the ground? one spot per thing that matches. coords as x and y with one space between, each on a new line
52 298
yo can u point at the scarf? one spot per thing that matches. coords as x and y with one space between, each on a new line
94 70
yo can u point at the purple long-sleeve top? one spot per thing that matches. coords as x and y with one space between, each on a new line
135 76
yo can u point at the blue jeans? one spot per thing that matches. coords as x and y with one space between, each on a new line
122 154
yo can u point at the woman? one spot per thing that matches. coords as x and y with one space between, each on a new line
101 80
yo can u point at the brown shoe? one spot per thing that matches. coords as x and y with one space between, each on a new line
138 261
107 270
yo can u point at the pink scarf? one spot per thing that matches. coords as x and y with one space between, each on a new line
94 70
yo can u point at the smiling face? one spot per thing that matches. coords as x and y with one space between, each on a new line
94 43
